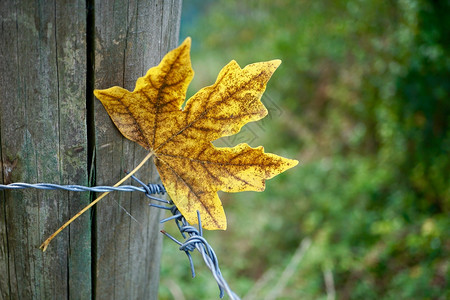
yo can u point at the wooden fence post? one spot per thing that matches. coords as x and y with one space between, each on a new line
52 54
130 37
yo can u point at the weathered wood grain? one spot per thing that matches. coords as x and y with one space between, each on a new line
128 42
44 137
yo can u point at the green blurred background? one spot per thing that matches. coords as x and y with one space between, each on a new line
362 101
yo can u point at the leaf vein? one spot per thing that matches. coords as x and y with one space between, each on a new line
159 97
190 188
135 123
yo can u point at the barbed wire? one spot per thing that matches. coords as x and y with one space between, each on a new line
193 240
152 188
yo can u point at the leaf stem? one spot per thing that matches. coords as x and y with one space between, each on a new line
47 241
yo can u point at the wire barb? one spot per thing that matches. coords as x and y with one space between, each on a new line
194 241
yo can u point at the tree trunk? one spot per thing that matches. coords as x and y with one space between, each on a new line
52 55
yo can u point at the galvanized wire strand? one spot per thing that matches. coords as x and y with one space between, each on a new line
150 189
194 241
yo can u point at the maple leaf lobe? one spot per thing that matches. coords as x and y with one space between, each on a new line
231 102
191 168
161 91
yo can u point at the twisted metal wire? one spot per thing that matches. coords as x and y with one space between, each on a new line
197 241
151 188
194 241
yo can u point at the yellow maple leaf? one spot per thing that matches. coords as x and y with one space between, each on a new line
180 140
191 168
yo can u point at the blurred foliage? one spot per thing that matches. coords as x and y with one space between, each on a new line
363 98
